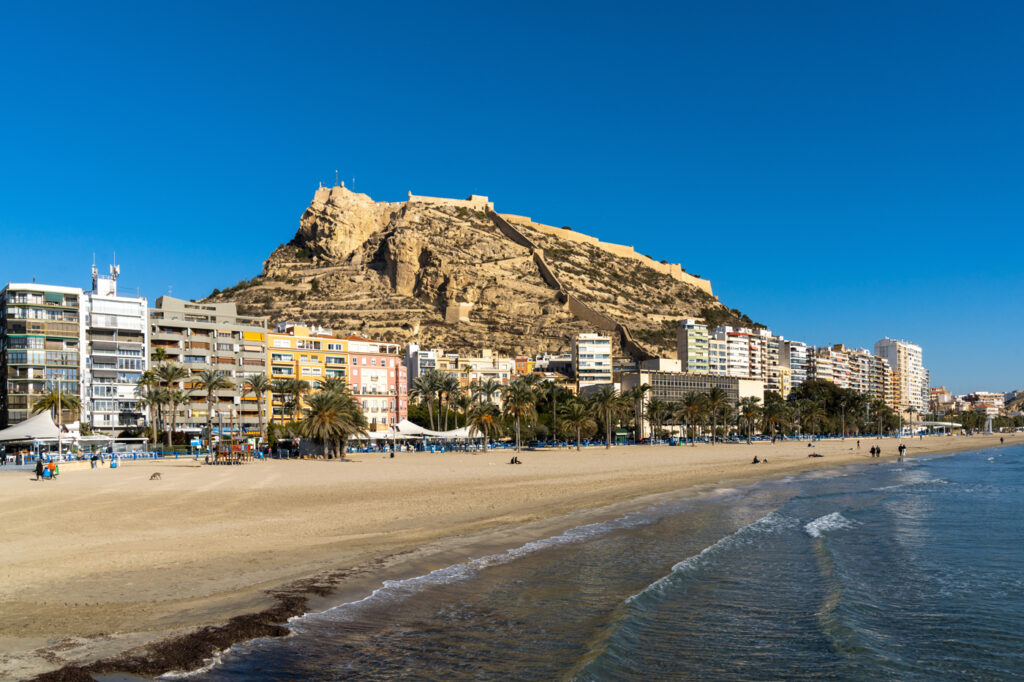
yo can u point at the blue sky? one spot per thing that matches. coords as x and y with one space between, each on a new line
841 171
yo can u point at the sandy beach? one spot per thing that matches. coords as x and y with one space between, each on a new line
102 562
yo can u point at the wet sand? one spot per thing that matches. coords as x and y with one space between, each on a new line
102 563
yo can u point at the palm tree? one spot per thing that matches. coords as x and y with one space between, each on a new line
159 355
578 416
425 389
170 374
635 396
175 398
550 391
487 389
813 416
481 420
257 385
692 410
716 399
776 415
334 416
520 404
148 381
911 411
323 421
609 405
657 410
297 388
750 410
450 387
211 381
58 402
334 384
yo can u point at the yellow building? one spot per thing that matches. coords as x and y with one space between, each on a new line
309 354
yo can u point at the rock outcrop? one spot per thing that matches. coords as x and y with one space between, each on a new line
451 273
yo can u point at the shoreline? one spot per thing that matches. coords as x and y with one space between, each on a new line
497 508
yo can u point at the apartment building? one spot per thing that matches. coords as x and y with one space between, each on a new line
592 360
793 354
309 353
987 403
693 346
911 378
115 350
378 380
468 369
40 347
743 353
203 336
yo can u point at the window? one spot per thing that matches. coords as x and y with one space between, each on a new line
195 358
282 343
281 357
316 371
225 346
332 360
303 358
305 371
335 346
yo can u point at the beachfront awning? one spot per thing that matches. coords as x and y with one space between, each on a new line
39 427
406 428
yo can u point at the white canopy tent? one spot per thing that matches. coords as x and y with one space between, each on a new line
39 427
406 429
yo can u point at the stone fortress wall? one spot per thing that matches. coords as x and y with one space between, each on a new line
475 201
673 270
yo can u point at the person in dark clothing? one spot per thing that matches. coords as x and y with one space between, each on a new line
756 460
39 469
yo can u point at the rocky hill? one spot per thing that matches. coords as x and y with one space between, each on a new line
457 275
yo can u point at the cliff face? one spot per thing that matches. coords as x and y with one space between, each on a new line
442 273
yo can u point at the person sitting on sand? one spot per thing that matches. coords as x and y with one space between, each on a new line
756 460
764 461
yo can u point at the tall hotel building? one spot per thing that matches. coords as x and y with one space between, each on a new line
116 336
592 360
910 377
40 347
203 336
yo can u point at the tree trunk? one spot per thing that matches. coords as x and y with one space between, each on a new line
259 413
577 440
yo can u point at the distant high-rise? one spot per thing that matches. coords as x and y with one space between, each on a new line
912 379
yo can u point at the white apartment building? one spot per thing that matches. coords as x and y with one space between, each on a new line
592 360
741 352
692 345
793 354
115 342
906 361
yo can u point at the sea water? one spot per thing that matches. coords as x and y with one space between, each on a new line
908 571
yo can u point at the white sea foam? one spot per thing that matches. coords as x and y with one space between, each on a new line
769 523
828 522
208 665
399 589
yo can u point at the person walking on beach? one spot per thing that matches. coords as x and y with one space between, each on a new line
39 468
52 466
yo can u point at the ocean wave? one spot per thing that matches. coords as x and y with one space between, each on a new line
769 523
828 522
912 484
400 589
